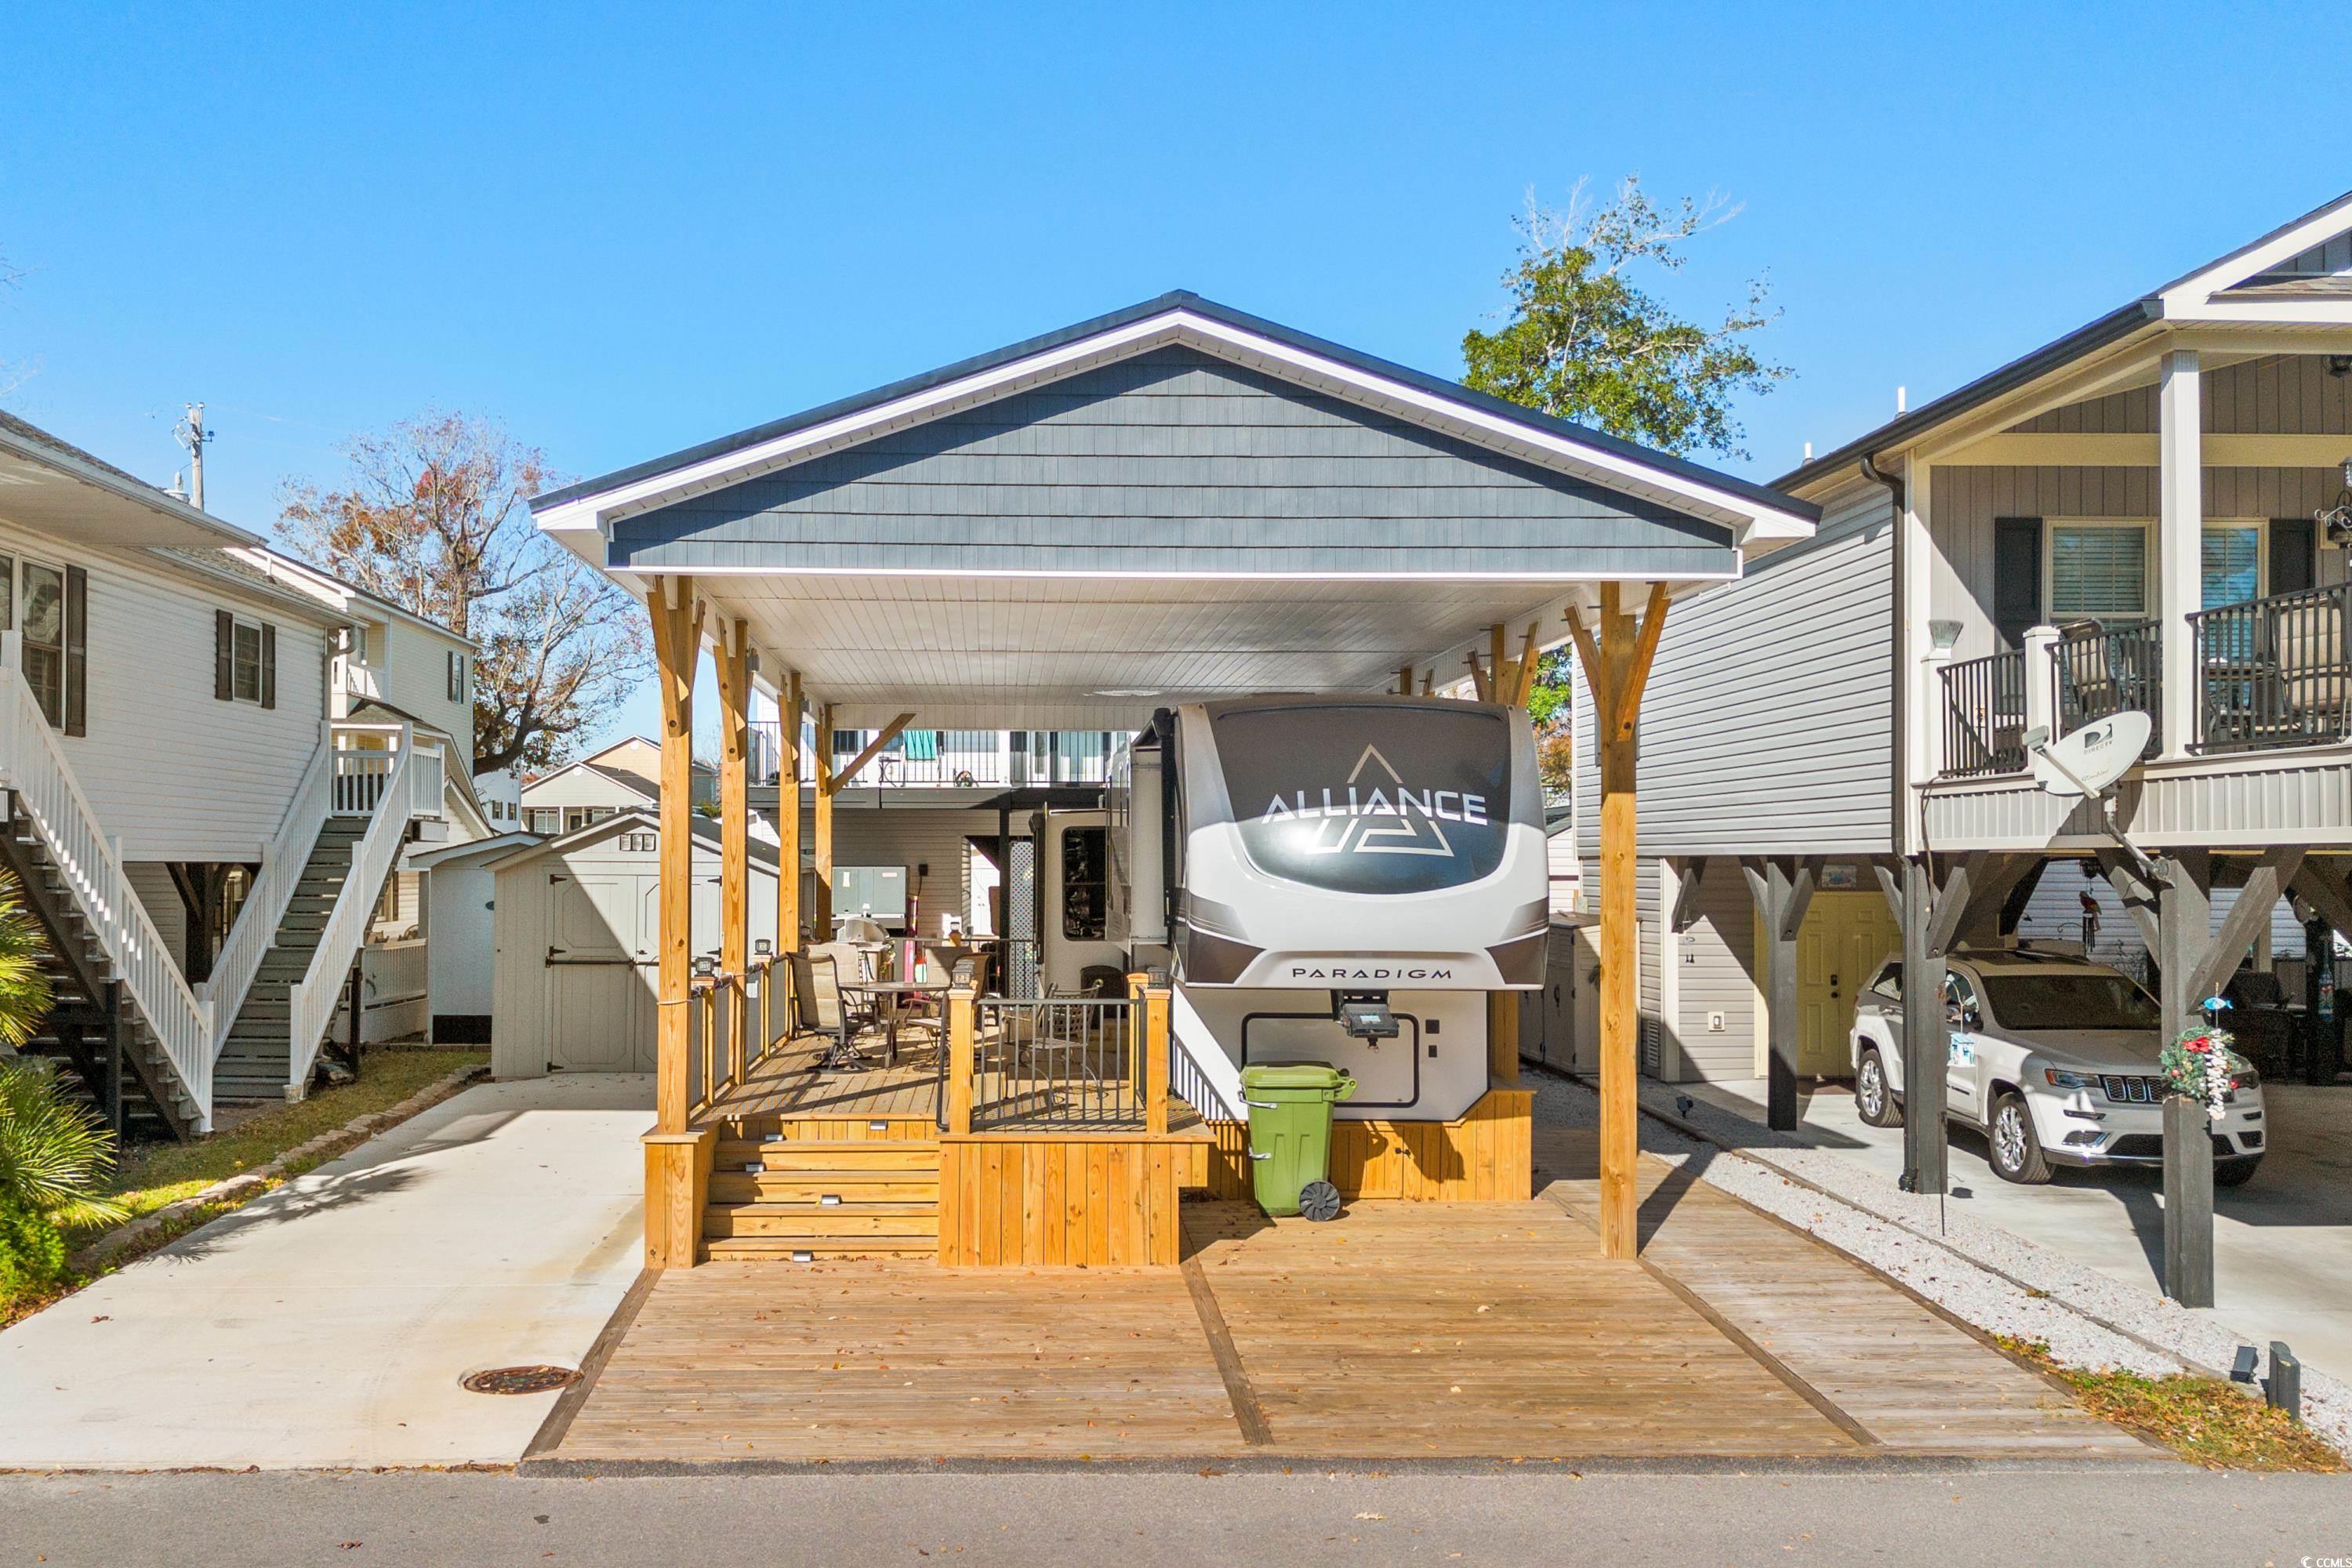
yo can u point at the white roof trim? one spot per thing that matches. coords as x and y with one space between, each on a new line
648 795
1559 453
2192 297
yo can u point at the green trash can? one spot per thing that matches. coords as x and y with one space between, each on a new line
1290 1135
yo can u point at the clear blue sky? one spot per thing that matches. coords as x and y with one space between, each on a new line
625 229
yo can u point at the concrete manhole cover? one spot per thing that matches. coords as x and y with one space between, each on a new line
519 1379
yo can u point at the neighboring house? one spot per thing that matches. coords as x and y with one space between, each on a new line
624 776
168 726
2128 518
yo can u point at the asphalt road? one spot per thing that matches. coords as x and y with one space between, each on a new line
2156 1516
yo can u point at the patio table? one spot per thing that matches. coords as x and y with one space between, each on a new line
896 991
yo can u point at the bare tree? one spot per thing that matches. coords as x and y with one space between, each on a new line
433 516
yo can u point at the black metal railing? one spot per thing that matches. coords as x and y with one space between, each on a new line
1056 1062
2274 671
1984 715
2109 668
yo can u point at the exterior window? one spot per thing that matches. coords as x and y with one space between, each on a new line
45 639
546 820
456 676
246 652
1084 852
2231 568
639 843
245 660
2098 572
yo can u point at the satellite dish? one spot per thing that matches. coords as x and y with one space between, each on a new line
2087 762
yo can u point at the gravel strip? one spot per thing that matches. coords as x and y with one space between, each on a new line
1976 1271
248 1185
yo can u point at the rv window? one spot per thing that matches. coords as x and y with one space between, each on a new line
1367 798
1083 853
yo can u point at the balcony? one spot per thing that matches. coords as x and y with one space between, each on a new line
950 759
2272 673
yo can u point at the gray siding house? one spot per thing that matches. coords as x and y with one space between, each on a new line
2151 493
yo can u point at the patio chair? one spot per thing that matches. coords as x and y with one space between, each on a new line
2314 667
822 1005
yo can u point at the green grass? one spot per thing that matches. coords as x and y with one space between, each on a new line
154 1174
2202 1419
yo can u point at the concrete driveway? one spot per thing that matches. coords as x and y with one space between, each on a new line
327 1324
2281 1243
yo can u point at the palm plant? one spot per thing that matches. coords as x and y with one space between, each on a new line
53 1152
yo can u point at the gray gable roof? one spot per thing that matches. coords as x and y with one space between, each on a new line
1174 459
1174 301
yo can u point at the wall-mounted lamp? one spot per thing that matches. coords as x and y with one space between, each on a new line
1944 637
2339 365
706 966
763 947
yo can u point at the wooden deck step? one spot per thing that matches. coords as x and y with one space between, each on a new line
787 1248
863 1220
814 1186
829 1155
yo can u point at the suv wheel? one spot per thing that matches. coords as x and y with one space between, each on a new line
2016 1151
1873 1100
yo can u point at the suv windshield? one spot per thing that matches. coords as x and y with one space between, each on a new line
2070 999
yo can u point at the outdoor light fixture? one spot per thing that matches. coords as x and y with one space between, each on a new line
2339 365
706 966
1944 635
763 947
2335 521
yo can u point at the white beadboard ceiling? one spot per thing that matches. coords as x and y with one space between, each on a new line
1043 653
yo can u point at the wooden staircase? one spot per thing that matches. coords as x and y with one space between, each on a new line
254 1064
89 1008
780 1194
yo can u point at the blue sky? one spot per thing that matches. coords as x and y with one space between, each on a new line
625 229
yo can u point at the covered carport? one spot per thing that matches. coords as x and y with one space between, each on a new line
1176 502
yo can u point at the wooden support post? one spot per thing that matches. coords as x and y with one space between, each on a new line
1783 887
2184 933
1930 913
823 849
734 801
959 1061
788 815
1155 1061
677 647
1502 1036
1616 669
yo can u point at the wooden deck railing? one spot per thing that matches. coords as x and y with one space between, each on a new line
734 1024
1081 1063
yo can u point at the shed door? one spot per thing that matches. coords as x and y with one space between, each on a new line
600 992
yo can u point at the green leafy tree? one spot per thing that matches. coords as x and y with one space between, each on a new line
1586 341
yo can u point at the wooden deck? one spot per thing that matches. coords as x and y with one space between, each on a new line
1401 1330
788 1088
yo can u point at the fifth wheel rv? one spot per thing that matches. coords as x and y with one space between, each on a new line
1333 879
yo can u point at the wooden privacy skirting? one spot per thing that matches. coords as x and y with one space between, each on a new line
1072 1198
1487 1155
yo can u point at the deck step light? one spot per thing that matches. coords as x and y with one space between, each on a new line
803 1255
830 1200
877 1127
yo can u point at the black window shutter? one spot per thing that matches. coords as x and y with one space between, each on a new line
2295 563
76 651
224 657
2016 577
269 665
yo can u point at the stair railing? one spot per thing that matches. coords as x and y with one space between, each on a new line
310 1002
255 931
33 765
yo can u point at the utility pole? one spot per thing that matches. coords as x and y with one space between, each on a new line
190 432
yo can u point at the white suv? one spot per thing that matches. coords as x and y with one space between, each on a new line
2054 1057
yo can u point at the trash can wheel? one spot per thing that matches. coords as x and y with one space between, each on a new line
1319 1201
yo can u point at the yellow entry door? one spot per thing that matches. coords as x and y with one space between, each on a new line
1845 938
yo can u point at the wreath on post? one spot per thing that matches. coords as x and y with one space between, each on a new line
2198 1064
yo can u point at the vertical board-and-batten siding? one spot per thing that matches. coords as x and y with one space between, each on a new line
1170 460
170 769
1768 725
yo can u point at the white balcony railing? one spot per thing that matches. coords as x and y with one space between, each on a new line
950 759
33 763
